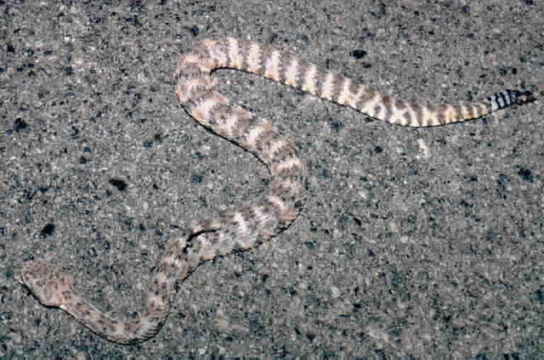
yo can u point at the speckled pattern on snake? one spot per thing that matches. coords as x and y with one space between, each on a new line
245 227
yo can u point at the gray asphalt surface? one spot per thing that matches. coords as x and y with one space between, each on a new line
415 243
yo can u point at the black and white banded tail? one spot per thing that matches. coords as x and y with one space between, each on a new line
506 98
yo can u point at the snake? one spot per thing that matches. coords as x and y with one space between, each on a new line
247 226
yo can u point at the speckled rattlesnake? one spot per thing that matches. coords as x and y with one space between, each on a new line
244 228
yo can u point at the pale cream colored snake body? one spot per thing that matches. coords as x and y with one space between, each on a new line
246 227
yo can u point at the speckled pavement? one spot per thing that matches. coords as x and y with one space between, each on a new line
414 243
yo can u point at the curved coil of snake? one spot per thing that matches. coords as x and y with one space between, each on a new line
246 227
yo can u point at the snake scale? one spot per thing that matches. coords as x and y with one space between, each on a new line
245 227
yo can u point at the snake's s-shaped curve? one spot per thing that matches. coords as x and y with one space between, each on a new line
247 226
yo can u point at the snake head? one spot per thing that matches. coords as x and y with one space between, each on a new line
51 287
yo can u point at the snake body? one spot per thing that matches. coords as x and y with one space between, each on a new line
246 227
